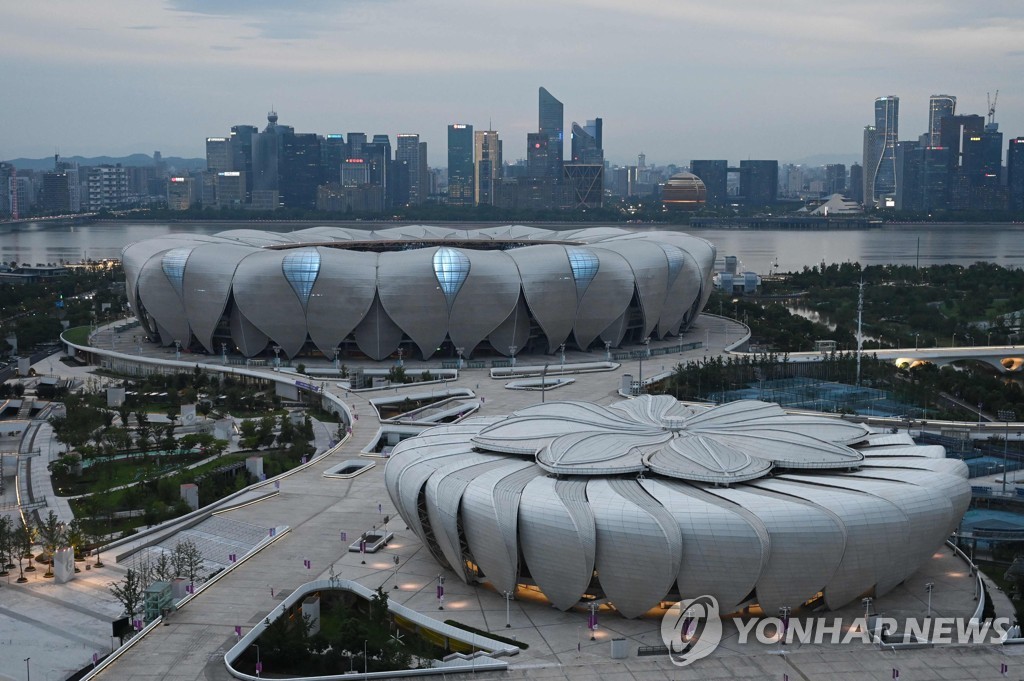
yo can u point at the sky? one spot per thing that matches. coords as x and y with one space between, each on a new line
674 79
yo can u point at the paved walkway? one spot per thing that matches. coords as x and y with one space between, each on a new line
318 508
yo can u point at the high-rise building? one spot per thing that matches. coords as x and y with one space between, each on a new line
407 151
299 170
461 172
356 140
537 165
715 176
939 106
377 153
1015 174
180 193
488 168
880 153
759 182
333 152
550 123
586 142
835 179
266 148
218 154
241 153
106 188
855 190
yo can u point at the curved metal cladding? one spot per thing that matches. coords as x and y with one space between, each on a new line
603 296
326 286
269 301
485 299
423 316
207 288
330 316
160 294
742 502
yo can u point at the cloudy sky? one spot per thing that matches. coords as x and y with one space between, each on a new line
676 79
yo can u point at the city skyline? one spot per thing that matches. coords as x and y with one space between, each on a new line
193 69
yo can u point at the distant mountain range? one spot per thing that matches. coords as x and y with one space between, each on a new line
133 160
826 159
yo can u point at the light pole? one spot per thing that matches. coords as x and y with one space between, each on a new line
440 592
784 626
177 349
259 665
460 350
277 356
543 383
337 366
607 351
401 351
561 349
508 609
953 343
917 336
224 352
866 602
929 587
640 383
395 587
1006 416
28 670
512 352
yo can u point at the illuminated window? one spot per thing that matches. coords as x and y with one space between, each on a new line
300 269
675 262
584 268
451 268
173 265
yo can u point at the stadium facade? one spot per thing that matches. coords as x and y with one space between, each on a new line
358 292
650 500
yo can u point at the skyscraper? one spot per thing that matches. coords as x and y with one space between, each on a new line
939 106
550 122
585 172
835 179
265 150
715 176
461 184
333 152
407 152
1015 173
241 152
855 191
880 153
759 182
218 154
586 142
299 170
487 159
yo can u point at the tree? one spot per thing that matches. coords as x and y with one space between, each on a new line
51 534
187 560
24 538
74 535
163 568
6 543
129 591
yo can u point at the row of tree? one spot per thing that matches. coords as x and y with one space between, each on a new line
184 561
18 540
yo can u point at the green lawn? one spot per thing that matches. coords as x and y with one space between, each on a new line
78 335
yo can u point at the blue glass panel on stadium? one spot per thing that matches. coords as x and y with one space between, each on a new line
451 268
300 269
173 265
584 267
675 261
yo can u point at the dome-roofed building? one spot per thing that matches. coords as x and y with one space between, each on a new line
649 500
684 191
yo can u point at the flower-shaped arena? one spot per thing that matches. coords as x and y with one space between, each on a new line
650 500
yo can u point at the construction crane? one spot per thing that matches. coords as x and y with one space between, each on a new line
992 107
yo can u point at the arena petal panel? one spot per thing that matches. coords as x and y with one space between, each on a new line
332 317
651 500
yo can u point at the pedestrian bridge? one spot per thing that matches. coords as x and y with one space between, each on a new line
1005 358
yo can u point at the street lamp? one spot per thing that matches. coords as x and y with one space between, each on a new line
607 351
1006 416
277 356
784 626
177 349
337 351
401 351
395 587
561 349
916 337
460 350
953 344
259 665
543 383
512 352
929 587
644 353
866 602
28 670
224 352
508 600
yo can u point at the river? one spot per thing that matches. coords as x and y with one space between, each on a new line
926 244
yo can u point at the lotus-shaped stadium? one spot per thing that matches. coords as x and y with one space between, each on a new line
650 499
364 293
